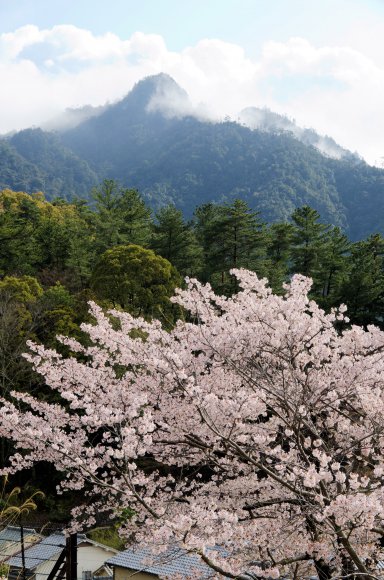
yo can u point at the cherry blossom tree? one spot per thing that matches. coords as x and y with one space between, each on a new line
252 434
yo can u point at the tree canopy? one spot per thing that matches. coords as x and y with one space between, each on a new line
262 420
136 279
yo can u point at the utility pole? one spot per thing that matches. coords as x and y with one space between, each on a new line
71 557
22 548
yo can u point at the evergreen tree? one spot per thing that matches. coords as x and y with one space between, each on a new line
333 270
232 237
18 299
19 220
121 216
205 218
82 248
308 242
363 291
53 238
279 238
133 218
320 252
175 240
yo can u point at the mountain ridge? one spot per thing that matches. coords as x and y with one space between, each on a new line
153 140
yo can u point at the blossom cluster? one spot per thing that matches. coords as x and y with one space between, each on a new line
256 426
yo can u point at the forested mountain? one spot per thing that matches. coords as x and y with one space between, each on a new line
151 140
266 120
42 163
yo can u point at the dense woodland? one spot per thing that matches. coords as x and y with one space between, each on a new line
55 256
274 167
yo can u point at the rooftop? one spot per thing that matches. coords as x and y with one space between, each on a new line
175 561
45 550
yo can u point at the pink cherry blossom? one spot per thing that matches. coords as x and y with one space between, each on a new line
252 433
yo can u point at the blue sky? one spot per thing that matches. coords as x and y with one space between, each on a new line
184 22
319 61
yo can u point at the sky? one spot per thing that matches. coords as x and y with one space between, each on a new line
320 62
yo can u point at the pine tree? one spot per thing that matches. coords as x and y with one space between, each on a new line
121 216
363 290
175 240
333 270
279 239
308 242
133 218
232 236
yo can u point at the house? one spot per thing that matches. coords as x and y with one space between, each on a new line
10 540
103 573
41 557
139 563
91 558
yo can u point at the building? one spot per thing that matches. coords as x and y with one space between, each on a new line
42 557
10 540
139 563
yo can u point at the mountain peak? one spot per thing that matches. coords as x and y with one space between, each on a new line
158 94
156 82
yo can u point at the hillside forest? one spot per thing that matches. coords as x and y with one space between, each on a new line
55 256
272 164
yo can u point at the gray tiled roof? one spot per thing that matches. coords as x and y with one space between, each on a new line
174 561
48 549
12 533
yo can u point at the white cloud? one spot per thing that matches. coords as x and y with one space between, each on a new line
12 43
338 90
299 56
343 98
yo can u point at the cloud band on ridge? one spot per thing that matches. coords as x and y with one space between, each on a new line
335 89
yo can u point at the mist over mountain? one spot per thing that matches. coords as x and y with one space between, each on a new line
266 120
156 141
72 117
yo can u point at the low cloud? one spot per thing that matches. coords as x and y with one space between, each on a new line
337 90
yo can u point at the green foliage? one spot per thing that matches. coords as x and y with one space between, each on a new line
28 312
19 218
187 162
57 170
137 280
308 241
363 289
121 218
25 289
58 296
49 250
232 236
56 255
54 239
333 270
108 536
16 172
18 305
279 241
57 314
175 241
